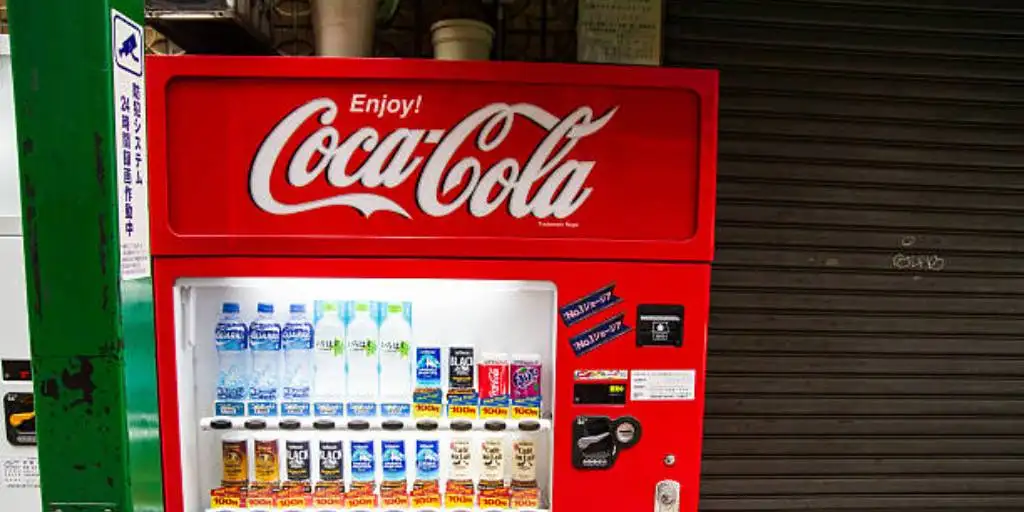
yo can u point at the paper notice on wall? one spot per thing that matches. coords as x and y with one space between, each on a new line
129 87
619 31
19 472
662 385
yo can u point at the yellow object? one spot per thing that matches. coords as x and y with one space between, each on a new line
266 465
19 419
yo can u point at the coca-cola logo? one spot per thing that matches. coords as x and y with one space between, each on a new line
494 377
547 183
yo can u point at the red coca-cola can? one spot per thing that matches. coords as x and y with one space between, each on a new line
493 374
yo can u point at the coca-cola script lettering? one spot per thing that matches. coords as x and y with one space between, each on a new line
548 184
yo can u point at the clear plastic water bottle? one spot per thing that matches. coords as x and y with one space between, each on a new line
265 345
329 363
233 362
297 343
395 361
361 355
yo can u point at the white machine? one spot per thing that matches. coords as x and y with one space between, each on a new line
19 473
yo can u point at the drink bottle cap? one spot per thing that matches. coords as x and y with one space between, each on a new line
230 307
529 426
297 308
323 424
330 307
220 424
395 307
426 425
358 425
255 424
362 306
264 307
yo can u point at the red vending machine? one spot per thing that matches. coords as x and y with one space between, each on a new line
416 285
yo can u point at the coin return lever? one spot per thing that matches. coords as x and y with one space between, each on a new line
597 440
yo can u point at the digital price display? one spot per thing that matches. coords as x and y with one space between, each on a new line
599 393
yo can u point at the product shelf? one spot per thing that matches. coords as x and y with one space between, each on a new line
443 424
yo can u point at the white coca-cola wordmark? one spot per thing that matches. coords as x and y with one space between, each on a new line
391 161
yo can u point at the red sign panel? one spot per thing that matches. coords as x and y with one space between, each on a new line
275 156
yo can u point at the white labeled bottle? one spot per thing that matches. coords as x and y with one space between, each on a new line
460 458
361 354
329 362
395 353
524 455
493 458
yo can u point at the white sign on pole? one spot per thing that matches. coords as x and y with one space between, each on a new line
128 48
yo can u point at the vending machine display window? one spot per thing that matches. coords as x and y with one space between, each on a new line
387 364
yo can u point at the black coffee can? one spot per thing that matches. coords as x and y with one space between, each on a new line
332 461
461 365
299 462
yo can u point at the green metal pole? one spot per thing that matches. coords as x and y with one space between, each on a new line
93 351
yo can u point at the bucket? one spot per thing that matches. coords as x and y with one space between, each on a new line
344 28
461 39
292 10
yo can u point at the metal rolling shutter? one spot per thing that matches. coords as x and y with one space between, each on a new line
867 342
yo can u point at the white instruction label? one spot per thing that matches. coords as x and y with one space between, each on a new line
130 140
20 472
665 385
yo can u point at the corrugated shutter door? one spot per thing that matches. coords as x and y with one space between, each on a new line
867 342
